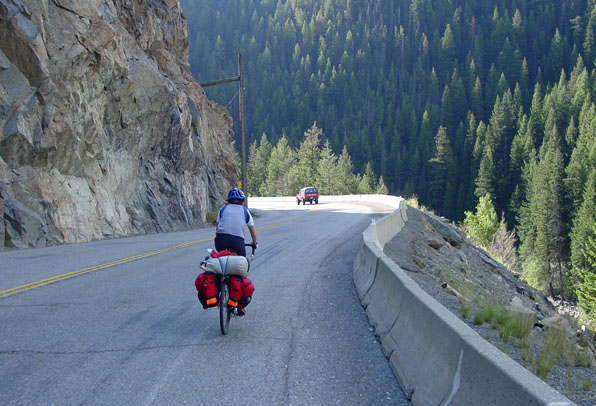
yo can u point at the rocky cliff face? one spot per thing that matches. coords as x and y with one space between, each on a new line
104 131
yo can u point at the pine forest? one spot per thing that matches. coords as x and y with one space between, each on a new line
485 111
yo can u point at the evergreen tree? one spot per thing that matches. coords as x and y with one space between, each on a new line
381 187
500 135
589 42
524 81
582 223
522 153
366 184
477 99
557 54
479 145
586 293
257 165
251 188
543 266
304 173
347 180
536 113
442 169
448 50
327 172
580 163
281 161
486 174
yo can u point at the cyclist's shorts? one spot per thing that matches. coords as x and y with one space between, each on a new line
227 241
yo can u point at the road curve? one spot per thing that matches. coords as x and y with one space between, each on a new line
117 321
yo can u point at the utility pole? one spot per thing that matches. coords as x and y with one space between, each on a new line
242 118
242 124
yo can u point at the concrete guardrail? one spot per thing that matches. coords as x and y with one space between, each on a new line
436 357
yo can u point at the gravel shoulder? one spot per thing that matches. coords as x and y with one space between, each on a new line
455 271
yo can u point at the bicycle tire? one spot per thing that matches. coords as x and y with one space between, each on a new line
224 309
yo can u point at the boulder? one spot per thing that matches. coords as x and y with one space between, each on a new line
450 233
561 322
552 320
517 306
435 243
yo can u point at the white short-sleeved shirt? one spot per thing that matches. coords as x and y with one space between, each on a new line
232 218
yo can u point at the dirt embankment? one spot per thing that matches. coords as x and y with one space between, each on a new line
510 314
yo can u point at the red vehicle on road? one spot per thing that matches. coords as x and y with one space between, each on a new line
308 194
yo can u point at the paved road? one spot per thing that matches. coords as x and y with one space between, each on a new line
92 325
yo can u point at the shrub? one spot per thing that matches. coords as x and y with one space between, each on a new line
465 310
502 317
485 315
489 313
412 201
551 350
211 215
526 352
522 324
505 331
506 323
483 224
479 318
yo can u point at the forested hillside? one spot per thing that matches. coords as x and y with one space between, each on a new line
450 101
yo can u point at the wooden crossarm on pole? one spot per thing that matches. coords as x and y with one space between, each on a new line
219 82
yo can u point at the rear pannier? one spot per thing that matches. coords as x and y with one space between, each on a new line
206 285
247 291
235 291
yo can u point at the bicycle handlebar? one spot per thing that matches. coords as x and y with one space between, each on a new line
253 246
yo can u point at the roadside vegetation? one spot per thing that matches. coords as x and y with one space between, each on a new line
485 229
539 348
558 348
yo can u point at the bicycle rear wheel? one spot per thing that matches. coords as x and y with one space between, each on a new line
224 310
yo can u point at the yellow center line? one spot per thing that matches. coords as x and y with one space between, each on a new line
57 278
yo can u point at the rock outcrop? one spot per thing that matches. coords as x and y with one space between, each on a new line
104 131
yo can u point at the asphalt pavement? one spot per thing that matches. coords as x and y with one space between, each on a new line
118 322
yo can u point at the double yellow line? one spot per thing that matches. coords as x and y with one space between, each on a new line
58 278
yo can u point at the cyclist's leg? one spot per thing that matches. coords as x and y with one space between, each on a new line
223 241
238 246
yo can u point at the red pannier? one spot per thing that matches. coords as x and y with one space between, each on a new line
241 291
235 291
247 290
207 289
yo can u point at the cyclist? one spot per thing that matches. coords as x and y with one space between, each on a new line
231 219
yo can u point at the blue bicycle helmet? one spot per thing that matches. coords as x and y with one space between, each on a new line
236 194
